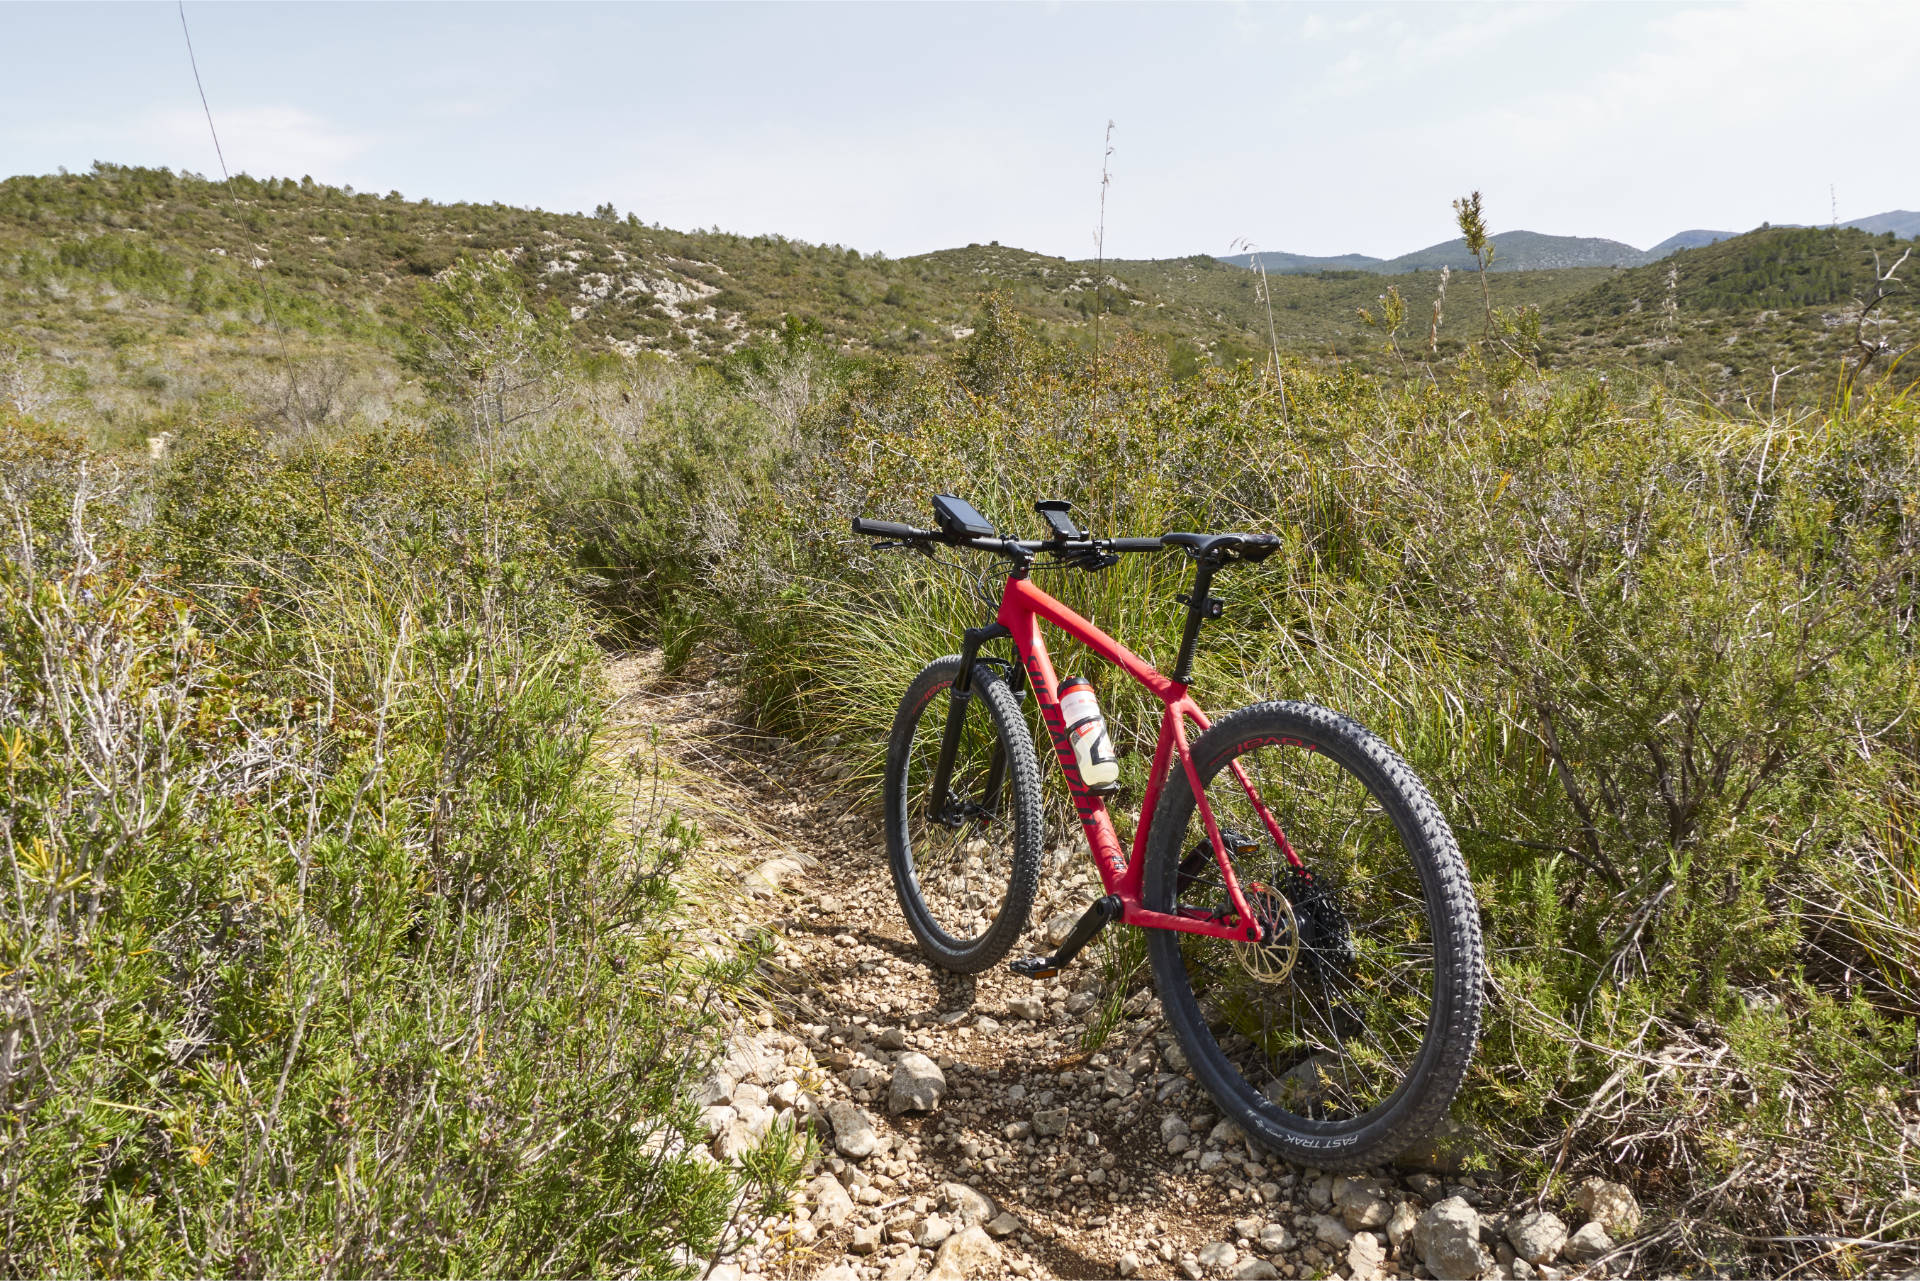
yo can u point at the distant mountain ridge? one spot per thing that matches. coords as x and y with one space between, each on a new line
1536 251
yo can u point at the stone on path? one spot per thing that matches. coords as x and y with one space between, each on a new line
968 1205
1253 1268
1400 1226
1366 1257
1587 1243
918 1084
1361 1204
1004 1224
1612 1205
1447 1237
1537 1236
831 1204
771 875
853 1135
968 1253
1218 1255
1275 1238
931 1231
1128 1264
1050 1121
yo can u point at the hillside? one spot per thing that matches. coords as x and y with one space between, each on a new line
1725 316
1522 251
153 290
1904 223
1694 239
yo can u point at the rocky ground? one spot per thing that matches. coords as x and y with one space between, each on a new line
967 1130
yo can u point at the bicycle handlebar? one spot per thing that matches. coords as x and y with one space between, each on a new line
887 529
1253 547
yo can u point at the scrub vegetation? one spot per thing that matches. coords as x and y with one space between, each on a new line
325 949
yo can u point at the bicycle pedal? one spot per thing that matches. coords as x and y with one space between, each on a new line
1034 967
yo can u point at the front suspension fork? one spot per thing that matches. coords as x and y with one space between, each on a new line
940 800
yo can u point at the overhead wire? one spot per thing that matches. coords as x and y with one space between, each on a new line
226 178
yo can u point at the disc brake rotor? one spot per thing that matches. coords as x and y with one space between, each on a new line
1272 959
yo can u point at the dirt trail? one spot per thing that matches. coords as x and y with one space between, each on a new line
1038 1159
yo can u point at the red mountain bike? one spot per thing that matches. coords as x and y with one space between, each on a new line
1312 930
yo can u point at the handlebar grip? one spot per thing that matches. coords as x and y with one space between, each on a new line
1134 544
886 529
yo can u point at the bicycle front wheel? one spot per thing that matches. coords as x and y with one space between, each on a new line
1343 1036
965 863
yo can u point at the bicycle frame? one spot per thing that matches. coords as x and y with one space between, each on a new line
1023 607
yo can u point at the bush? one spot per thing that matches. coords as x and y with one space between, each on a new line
322 951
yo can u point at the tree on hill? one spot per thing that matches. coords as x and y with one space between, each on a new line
477 344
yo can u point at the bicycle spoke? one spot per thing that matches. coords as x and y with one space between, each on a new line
1340 1034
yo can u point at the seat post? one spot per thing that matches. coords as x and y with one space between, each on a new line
1200 607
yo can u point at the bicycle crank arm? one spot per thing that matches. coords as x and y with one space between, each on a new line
1091 922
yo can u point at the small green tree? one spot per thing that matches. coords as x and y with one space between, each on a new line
480 348
1473 226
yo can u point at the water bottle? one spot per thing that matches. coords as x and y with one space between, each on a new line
1087 732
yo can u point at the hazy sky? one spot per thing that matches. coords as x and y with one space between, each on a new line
906 127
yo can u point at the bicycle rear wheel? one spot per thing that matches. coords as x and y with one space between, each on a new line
966 865
1344 1035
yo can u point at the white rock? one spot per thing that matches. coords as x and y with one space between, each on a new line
1361 1204
1612 1205
918 1084
1004 1224
1253 1268
968 1253
1225 1132
1128 1264
866 1238
1366 1257
894 1038
748 1060
1537 1236
772 874
853 1135
717 1091
784 1095
1050 1121
1027 1007
1275 1239
1447 1237
1330 1231
968 1206
1218 1255
931 1231
830 1202
1587 1243
1400 1226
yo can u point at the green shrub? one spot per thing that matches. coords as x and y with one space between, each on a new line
322 952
